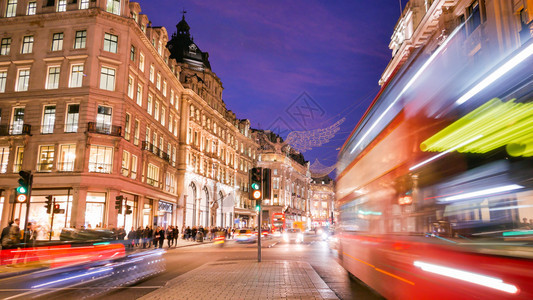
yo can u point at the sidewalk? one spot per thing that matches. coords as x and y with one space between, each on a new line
247 280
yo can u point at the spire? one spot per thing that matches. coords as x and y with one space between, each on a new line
182 28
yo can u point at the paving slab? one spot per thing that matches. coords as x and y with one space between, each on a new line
247 280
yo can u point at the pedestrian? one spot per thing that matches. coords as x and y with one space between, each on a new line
194 230
175 235
161 237
131 237
30 235
170 236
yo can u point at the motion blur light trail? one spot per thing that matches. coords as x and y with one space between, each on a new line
490 282
501 124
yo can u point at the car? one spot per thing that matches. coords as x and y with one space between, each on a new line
293 235
245 236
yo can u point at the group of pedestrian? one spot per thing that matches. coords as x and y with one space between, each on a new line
209 233
155 237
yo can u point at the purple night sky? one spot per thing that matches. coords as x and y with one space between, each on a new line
268 53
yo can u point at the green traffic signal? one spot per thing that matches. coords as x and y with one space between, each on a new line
255 186
21 190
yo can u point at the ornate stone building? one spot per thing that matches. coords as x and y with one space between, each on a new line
95 105
322 201
217 147
291 178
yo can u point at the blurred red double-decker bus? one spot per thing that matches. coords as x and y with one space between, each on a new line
278 222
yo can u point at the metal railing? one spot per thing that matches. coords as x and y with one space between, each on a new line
22 129
104 129
100 167
152 148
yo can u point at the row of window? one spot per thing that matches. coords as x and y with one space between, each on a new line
112 6
56 44
100 161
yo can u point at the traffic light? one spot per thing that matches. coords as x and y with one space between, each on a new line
128 210
48 204
24 187
118 203
256 181
257 206
267 179
58 210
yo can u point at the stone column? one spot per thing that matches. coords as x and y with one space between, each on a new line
77 215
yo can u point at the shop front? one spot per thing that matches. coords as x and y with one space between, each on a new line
47 225
128 220
164 214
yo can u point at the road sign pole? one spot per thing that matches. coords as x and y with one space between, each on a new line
52 222
28 204
259 233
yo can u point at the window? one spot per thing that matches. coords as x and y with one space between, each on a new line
80 39
170 117
101 159
3 80
46 159
49 119
127 126
125 163
133 167
158 81
71 122
107 79
5 47
163 113
84 4
52 81
159 48
67 156
152 73
156 110
32 8
103 119
113 6
139 95
175 127
171 96
132 53
76 76
130 87
27 44
61 5
149 108
141 62
147 135
11 10
23 80
474 16
153 175
164 88
136 132
110 43
17 166
4 159
57 41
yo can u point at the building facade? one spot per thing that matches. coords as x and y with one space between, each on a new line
290 181
95 105
322 199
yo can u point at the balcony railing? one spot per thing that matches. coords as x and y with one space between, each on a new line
6 130
65 166
100 167
44 167
152 182
152 148
104 129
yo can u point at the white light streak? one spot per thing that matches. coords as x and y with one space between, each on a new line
408 85
72 277
520 57
446 152
486 281
485 192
